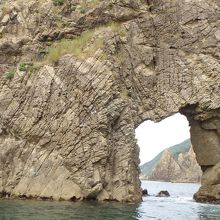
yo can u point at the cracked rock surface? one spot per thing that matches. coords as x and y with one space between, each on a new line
67 129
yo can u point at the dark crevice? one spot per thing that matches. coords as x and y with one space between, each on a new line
204 168
44 198
92 198
74 199
4 194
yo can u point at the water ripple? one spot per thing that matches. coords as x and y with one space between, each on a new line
179 206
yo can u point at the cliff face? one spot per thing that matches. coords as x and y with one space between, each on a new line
67 122
184 168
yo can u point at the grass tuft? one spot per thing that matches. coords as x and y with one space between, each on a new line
35 67
22 67
10 74
75 47
58 2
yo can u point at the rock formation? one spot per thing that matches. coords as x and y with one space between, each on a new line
184 169
174 164
163 193
77 78
145 192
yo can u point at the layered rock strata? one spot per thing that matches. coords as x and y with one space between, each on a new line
67 124
184 168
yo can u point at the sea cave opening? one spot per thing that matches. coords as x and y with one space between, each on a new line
166 155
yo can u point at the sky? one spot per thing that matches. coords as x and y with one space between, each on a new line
153 137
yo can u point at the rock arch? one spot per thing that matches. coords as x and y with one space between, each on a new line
67 131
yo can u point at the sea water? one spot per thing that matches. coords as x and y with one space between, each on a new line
179 206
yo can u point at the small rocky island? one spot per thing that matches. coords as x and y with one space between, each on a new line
174 164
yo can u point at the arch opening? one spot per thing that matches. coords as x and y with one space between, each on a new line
204 135
166 153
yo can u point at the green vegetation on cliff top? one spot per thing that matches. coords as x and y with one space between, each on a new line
82 46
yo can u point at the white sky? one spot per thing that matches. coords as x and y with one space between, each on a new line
154 137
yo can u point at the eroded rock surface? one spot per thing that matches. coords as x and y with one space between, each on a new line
184 168
67 126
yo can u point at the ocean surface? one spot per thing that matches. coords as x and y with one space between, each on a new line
180 206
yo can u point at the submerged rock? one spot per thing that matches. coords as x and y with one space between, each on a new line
163 193
145 192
